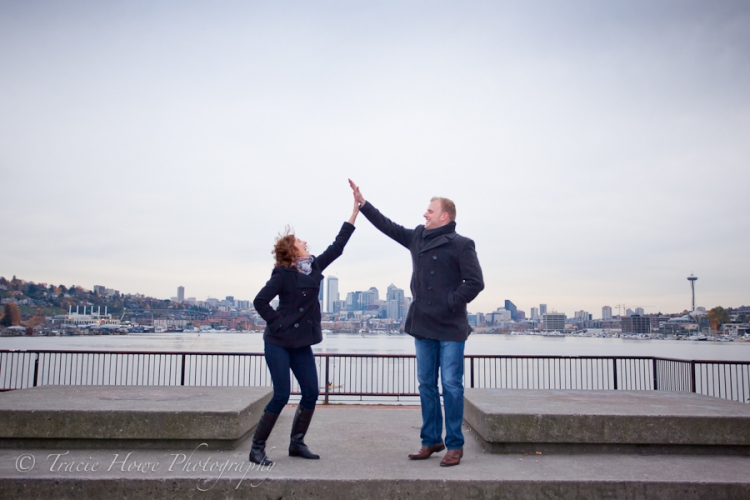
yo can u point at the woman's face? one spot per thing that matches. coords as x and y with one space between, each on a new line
301 247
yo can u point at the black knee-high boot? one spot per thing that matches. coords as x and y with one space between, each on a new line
297 446
262 431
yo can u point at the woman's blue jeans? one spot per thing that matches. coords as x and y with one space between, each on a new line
447 359
302 363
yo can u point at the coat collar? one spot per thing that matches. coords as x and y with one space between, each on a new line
438 241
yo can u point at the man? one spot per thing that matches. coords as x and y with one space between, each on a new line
445 277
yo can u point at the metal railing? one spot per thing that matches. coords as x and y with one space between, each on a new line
350 376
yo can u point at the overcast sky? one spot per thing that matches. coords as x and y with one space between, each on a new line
598 152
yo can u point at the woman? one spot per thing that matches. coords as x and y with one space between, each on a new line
290 331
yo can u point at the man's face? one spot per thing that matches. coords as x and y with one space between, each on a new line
434 216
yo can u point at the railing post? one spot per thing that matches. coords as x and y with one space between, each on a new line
614 371
182 376
656 375
692 376
471 371
36 369
328 383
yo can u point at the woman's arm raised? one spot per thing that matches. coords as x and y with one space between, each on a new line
355 211
337 247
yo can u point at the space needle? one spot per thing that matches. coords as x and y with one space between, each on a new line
692 279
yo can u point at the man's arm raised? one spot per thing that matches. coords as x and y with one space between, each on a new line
386 226
357 194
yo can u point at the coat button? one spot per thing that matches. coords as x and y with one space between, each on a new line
304 294
432 272
296 325
429 303
429 288
434 257
301 309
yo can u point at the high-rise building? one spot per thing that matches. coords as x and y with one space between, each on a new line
606 313
358 301
375 294
180 294
639 311
535 313
582 315
333 294
510 306
394 302
542 309
320 297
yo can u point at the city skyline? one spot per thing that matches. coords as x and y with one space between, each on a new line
597 154
532 312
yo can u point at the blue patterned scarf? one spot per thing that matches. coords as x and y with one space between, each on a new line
304 264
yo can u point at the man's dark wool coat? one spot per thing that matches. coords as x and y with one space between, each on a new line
296 322
446 276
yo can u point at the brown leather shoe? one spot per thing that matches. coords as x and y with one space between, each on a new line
426 451
452 457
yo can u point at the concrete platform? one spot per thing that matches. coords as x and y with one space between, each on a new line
363 455
129 416
561 421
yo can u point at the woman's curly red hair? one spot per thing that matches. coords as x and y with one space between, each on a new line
284 249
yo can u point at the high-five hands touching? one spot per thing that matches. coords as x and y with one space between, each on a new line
357 194
355 211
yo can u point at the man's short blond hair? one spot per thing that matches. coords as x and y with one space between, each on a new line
446 206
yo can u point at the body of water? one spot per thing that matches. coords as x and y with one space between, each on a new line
342 343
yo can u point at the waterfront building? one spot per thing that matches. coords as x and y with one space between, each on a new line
180 294
636 324
542 309
535 313
333 294
93 317
639 311
553 321
606 313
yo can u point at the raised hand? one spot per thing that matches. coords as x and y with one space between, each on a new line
357 194
355 211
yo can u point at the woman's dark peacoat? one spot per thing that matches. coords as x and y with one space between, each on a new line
296 322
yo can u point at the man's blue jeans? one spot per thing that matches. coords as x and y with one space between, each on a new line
447 358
